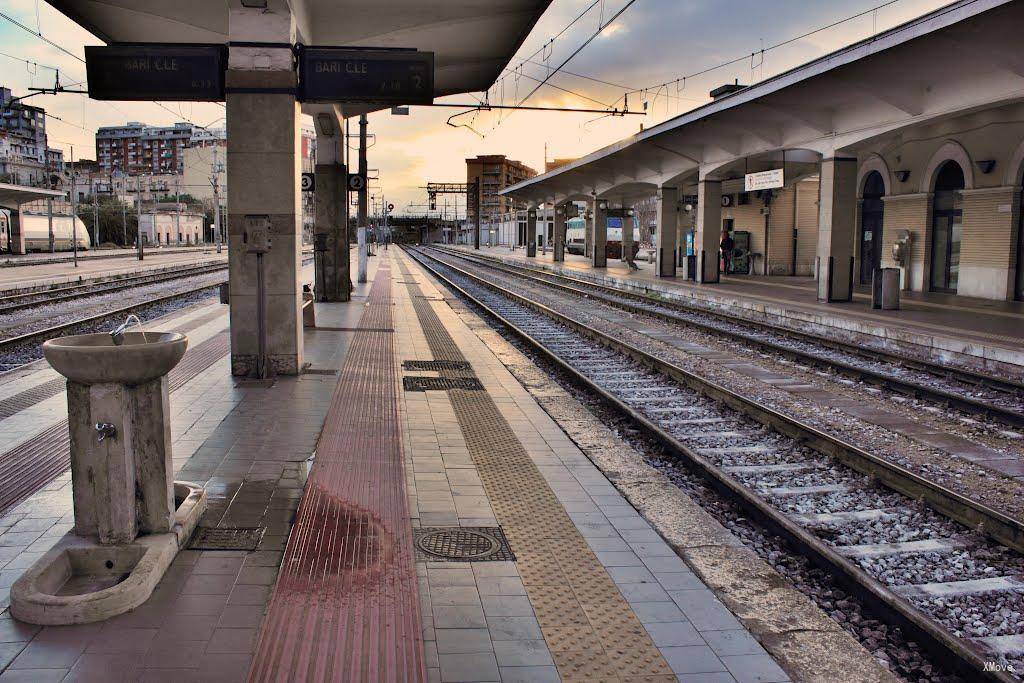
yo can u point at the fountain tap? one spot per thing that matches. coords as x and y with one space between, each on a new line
118 334
105 430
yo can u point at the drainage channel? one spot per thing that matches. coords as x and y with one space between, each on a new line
916 568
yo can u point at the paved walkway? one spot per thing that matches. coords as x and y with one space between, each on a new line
585 589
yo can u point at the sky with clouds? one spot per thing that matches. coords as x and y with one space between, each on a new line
653 41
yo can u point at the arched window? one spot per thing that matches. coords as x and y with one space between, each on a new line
871 226
947 228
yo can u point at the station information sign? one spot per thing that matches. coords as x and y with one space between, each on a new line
763 180
387 77
166 71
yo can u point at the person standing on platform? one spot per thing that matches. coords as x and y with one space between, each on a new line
728 245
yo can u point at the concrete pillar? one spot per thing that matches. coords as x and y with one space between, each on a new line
707 237
531 232
263 174
330 230
627 233
667 231
588 231
600 241
17 235
837 219
559 232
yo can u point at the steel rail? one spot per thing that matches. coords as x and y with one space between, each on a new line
56 295
960 654
903 386
56 330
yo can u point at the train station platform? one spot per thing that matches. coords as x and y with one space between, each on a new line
424 515
43 274
978 333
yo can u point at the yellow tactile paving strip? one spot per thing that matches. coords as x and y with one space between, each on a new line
589 627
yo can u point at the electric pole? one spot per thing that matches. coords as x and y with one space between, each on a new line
138 204
362 194
74 209
177 209
215 181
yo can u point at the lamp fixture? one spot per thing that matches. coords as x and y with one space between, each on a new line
629 211
255 4
902 176
603 206
986 165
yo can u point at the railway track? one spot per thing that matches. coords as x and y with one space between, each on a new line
38 336
977 394
944 568
20 301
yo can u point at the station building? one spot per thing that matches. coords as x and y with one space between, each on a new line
904 150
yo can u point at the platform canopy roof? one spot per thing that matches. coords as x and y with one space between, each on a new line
960 58
472 40
13 196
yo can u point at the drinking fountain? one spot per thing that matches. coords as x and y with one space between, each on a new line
131 517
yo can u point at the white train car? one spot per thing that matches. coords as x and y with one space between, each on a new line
37 233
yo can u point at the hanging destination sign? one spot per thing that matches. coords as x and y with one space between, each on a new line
388 77
156 71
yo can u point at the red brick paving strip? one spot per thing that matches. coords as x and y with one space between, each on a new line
346 603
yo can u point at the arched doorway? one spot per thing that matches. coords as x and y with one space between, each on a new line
871 226
947 228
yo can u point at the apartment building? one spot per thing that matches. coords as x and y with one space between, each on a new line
25 158
496 172
135 148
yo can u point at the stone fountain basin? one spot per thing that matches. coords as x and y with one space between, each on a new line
81 581
95 359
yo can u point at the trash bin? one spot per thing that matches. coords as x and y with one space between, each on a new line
885 289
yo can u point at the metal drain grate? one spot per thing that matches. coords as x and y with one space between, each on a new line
462 544
436 365
227 538
441 383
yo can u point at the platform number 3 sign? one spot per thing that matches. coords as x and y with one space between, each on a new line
308 182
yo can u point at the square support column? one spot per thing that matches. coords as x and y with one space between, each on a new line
559 232
330 229
16 234
706 239
263 166
531 232
588 232
837 219
599 245
667 230
627 234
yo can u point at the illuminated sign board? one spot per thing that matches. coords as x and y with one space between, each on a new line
151 71
387 77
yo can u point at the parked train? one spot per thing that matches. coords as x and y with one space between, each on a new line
37 233
575 236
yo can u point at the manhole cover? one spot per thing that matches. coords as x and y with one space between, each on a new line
462 544
227 538
441 383
435 365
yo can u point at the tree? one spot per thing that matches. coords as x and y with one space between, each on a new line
118 223
645 213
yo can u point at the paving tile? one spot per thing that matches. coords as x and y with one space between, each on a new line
232 640
460 616
759 668
643 592
469 668
716 677
188 627
692 659
217 563
674 633
14 631
522 653
173 653
8 651
507 606
223 668
655 612
33 675
678 581
529 674
122 641
462 640
500 585
208 584
241 616
514 628
732 642
704 610
104 668
454 595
